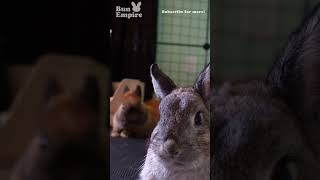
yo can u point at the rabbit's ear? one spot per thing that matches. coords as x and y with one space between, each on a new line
91 93
138 91
53 88
139 4
202 84
295 76
133 4
162 84
126 89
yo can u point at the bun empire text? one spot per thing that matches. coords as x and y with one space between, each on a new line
125 12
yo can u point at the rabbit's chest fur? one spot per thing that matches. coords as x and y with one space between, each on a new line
138 123
156 170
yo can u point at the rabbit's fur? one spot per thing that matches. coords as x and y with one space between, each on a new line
270 130
179 146
133 117
68 147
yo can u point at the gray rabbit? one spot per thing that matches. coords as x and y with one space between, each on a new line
180 144
260 130
270 130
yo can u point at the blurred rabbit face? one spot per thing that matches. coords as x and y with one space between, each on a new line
182 137
69 147
269 130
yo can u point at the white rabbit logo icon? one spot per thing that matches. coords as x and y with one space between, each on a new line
129 12
136 7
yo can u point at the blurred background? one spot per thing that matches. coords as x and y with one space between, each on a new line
248 34
33 28
64 39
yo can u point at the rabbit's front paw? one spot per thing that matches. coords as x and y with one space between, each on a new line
115 134
124 134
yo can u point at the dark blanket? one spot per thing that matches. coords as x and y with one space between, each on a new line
126 158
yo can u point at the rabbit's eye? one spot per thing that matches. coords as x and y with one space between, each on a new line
285 170
198 119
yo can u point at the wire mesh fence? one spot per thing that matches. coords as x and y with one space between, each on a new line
183 39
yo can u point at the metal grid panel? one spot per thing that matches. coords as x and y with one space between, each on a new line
180 39
182 28
181 63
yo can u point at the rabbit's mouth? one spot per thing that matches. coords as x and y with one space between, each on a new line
178 159
180 163
172 161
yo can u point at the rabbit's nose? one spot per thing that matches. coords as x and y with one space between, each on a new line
170 147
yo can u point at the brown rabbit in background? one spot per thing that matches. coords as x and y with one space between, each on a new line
270 130
68 147
180 144
133 117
